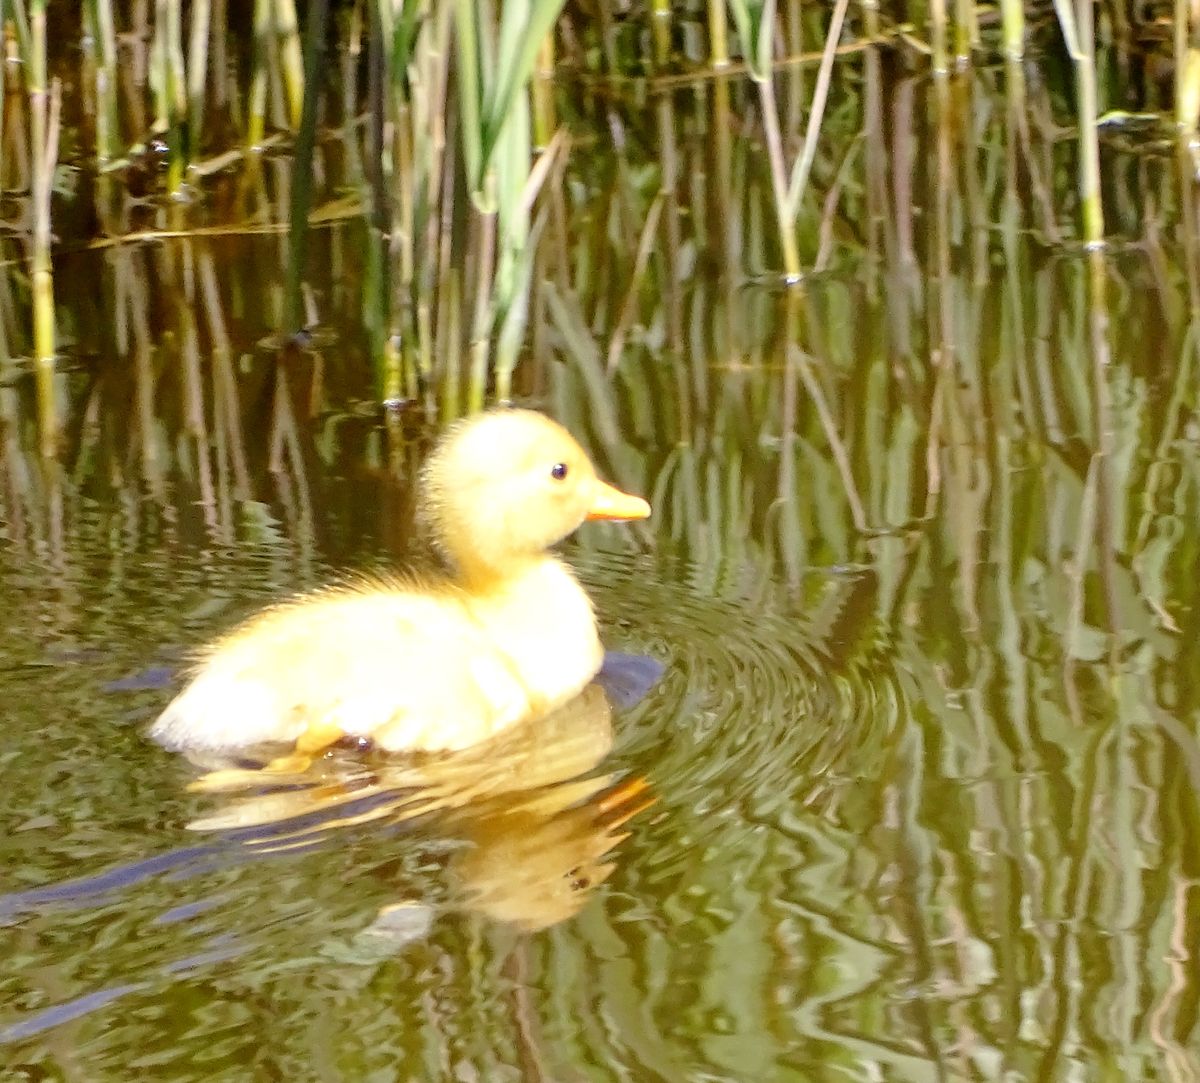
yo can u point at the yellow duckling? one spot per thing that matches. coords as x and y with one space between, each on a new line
424 665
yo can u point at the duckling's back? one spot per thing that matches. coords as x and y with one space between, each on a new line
405 669
410 668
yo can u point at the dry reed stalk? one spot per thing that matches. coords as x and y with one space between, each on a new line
485 230
226 413
669 185
450 335
434 151
220 65
788 190
803 167
544 119
448 346
629 303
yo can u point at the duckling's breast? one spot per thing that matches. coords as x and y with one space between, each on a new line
542 620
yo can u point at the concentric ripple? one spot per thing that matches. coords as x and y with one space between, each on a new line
758 704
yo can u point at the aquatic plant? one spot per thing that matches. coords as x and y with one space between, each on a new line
457 119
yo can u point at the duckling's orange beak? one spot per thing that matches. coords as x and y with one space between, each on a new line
610 503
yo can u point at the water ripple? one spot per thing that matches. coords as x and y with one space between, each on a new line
759 703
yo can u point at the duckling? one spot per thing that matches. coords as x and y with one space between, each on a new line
425 664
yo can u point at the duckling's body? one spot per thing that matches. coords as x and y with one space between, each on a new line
418 665
410 667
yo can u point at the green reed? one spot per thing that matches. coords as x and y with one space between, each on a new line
301 196
44 104
1012 15
718 33
257 97
291 61
1186 55
1076 21
462 132
101 33
168 79
197 73
757 32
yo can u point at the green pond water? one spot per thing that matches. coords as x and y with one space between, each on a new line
915 797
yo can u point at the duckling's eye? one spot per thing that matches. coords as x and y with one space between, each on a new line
558 471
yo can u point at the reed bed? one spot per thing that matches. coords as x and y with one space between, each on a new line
458 116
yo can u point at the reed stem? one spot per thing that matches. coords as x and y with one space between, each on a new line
1075 20
1187 65
1187 94
197 74
44 105
168 79
257 100
481 324
302 166
287 33
966 32
718 34
544 119
816 111
779 181
938 34
1012 21
98 19
660 19
1089 148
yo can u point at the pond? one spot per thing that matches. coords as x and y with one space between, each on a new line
894 770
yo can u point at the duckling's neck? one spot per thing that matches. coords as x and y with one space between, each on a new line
480 576
456 544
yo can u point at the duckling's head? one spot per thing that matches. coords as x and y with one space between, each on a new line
504 486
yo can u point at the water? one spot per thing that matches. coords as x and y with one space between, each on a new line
915 796
895 825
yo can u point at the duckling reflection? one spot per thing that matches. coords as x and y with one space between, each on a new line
531 869
533 831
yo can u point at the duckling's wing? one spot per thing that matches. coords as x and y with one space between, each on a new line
409 671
